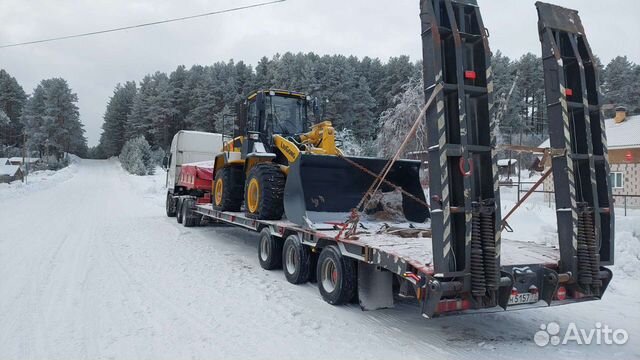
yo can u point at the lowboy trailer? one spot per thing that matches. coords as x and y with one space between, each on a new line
458 261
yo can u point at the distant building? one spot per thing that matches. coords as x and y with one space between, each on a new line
507 167
17 160
9 173
623 141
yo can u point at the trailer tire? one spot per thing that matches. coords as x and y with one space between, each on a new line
179 218
264 192
189 218
296 260
171 205
227 189
269 250
337 277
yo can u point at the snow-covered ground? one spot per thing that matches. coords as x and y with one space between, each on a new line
90 267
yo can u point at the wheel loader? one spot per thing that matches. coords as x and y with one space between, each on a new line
282 163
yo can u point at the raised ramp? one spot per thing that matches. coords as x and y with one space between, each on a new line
579 145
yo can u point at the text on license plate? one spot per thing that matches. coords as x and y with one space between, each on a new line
523 298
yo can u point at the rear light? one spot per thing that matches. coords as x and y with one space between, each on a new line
470 75
448 305
514 291
561 293
533 289
568 92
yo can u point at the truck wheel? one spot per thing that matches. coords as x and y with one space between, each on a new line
296 260
170 205
227 189
269 250
264 192
179 217
336 274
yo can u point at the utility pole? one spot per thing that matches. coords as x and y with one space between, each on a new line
24 155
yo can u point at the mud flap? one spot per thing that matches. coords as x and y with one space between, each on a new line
323 188
375 287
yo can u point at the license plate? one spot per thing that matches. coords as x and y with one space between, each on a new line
523 298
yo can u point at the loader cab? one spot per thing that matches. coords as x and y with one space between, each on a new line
270 112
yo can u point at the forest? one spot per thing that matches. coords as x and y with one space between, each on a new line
369 100
46 122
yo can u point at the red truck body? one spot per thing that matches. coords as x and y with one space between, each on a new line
197 176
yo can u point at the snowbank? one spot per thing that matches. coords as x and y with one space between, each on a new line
535 221
627 248
153 187
40 180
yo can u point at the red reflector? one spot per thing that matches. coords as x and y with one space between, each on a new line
448 305
533 289
561 294
471 75
568 92
514 291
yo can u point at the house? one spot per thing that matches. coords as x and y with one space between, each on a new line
623 141
4 161
9 173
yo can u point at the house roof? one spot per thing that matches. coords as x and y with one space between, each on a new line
625 135
10 170
3 161
29 160
505 162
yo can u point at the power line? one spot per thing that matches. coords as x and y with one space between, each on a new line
143 25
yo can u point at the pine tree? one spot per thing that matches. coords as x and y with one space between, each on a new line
52 120
620 79
136 157
12 100
115 118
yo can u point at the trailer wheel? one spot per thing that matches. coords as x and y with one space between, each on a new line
189 218
269 250
227 189
170 205
296 260
337 278
179 217
264 192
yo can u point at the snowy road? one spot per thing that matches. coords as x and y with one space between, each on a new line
92 268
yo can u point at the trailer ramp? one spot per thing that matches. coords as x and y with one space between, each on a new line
584 204
463 173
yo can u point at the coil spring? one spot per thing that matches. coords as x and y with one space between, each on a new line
588 260
593 248
478 284
487 226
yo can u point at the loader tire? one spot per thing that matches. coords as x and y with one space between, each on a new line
296 260
337 277
227 189
269 250
171 205
264 192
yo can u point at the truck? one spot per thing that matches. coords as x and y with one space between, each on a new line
447 255
187 147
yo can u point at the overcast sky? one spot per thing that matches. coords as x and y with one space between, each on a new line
94 65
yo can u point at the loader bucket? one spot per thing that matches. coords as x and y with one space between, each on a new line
322 188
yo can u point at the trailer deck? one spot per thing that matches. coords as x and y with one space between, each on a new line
414 251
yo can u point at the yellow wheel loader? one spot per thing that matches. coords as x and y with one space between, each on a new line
283 164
